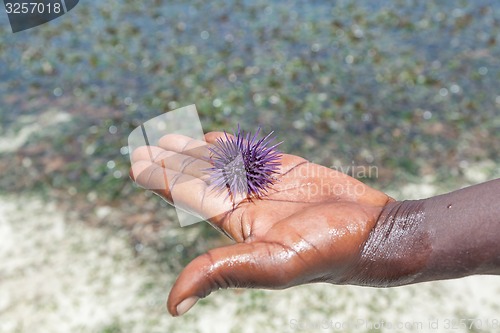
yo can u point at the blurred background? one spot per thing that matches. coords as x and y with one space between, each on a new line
411 87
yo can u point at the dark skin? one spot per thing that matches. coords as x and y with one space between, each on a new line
319 225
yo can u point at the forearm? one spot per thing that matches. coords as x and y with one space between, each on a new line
447 236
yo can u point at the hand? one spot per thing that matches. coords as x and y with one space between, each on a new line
311 227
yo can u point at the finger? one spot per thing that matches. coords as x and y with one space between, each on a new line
185 145
138 167
185 164
171 160
182 190
211 137
257 265
147 153
152 177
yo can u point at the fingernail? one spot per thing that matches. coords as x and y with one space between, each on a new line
186 304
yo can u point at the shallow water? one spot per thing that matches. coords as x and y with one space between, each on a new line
347 76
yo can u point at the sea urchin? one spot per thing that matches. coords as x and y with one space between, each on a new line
243 164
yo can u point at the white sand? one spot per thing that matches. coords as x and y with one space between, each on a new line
60 275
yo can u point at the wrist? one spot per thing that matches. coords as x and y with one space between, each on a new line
447 236
398 248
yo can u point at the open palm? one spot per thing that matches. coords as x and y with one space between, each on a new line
310 227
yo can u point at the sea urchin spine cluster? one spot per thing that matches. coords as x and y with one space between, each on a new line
243 164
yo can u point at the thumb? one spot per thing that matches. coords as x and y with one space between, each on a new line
256 265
